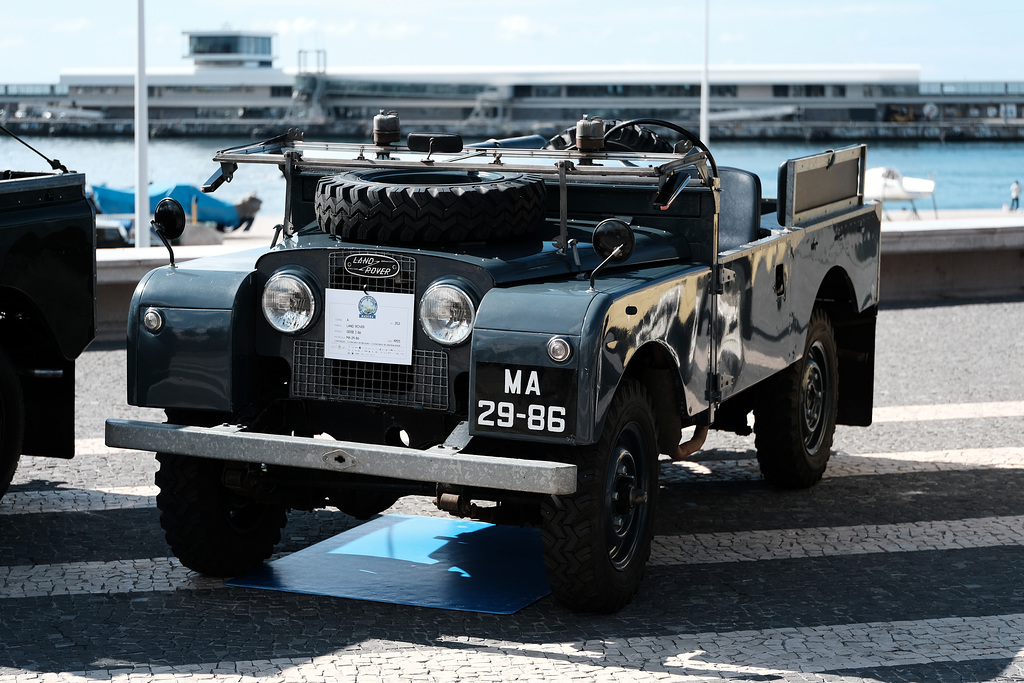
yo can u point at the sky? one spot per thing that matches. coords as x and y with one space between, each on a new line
949 40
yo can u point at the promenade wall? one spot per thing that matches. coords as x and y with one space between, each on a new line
954 255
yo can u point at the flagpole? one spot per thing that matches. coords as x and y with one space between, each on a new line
141 138
705 131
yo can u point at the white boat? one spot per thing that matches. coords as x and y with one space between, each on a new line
887 184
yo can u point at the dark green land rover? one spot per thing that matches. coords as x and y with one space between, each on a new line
518 328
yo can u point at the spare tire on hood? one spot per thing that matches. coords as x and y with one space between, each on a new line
430 206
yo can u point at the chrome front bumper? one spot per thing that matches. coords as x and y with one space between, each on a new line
441 464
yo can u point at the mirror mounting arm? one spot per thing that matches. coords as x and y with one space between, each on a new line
160 234
600 266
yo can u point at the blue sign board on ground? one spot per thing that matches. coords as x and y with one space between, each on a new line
422 561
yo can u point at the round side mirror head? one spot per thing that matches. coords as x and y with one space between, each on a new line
611 233
169 218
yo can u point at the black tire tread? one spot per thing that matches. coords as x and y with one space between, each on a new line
581 578
364 211
781 452
195 527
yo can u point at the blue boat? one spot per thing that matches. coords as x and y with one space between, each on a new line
208 209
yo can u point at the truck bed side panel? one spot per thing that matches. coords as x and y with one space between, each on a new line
772 288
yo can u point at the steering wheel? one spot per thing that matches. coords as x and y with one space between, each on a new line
671 126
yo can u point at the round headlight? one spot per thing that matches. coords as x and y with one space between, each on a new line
447 314
288 303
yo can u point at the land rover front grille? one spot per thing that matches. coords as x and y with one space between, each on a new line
424 384
403 283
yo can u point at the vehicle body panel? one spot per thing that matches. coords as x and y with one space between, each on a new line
47 298
703 330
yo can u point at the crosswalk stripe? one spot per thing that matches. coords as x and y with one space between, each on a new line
948 411
781 653
850 464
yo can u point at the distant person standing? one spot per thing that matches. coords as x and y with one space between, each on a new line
1014 196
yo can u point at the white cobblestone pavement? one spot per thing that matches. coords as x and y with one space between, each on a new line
675 654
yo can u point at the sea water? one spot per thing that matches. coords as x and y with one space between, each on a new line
967 175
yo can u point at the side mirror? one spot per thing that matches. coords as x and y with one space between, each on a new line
169 223
169 218
614 242
611 233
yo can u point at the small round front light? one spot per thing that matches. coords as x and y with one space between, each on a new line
447 314
152 320
559 349
288 303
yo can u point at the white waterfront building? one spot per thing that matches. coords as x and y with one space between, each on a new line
233 87
232 76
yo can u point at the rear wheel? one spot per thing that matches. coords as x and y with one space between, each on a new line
210 528
796 419
12 422
597 540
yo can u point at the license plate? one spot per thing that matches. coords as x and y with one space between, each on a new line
524 399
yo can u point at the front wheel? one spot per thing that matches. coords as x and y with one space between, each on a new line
796 419
210 528
597 540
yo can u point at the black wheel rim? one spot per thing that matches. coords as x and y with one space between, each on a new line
815 398
626 496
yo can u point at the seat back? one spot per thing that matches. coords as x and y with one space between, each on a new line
740 213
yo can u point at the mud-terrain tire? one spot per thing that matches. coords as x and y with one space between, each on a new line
598 540
12 422
210 528
433 206
795 419
628 139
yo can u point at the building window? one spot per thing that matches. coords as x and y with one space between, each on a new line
229 45
808 91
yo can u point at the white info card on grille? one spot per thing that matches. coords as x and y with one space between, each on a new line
375 327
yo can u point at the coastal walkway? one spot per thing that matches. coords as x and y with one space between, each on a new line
955 254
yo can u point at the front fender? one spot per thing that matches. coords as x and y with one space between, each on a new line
509 345
203 356
665 306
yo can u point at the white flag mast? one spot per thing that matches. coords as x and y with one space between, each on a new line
705 131
141 138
